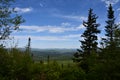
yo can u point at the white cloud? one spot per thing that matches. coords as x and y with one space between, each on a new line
23 10
72 36
49 38
66 24
80 27
118 17
107 2
118 9
52 29
78 18
72 17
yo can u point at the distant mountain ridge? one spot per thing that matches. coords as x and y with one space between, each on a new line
55 54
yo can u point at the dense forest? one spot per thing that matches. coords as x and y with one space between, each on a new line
90 62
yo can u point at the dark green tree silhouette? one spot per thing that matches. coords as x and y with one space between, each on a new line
117 37
9 19
28 47
90 43
110 27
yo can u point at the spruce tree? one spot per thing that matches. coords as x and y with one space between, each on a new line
28 47
112 40
90 43
110 28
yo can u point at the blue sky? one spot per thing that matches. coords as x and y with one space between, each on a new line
58 23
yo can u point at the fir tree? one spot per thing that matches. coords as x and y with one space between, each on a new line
90 43
28 48
111 27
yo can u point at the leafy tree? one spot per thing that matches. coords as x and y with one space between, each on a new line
9 19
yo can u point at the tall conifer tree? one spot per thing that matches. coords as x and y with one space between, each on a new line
28 47
90 43
111 27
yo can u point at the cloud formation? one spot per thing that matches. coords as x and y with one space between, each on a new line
52 29
49 38
23 10
118 9
107 2
72 17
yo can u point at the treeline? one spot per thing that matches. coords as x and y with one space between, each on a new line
100 62
17 65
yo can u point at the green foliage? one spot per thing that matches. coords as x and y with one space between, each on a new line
72 73
9 19
53 71
37 71
5 64
117 37
18 65
14 64
21 62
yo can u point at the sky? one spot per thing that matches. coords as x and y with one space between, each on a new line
58 23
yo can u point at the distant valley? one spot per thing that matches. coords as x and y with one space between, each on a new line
54 54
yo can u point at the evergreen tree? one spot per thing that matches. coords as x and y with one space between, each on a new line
28 48
110 28
29 43
90 43
117 37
